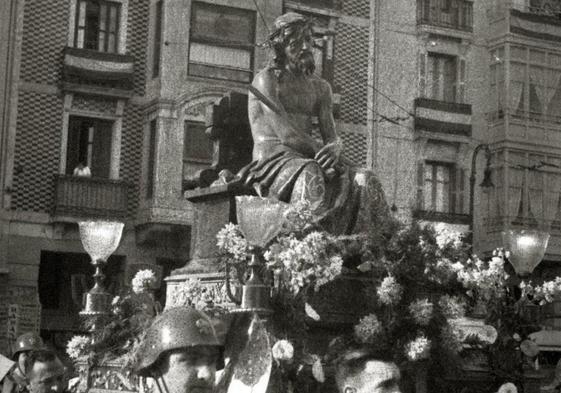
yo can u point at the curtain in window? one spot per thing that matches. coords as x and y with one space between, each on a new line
535 193
554 93
551 200
516 86
537 81
551 82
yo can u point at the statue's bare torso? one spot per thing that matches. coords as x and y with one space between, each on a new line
299 99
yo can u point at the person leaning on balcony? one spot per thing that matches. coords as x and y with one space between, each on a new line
181 352
16 380
82 170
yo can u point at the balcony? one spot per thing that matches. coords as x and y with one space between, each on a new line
535 19
450 14
81 197
96 72
326 4
442 117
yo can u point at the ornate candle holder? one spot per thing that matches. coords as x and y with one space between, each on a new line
100 239
260 220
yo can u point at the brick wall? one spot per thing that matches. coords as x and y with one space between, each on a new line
131 153
45 26
37 151
351 71
137 41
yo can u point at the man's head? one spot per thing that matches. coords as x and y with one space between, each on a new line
181 352
292 42
24 344
45 372
359 371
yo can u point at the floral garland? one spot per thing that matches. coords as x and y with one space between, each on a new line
423 281
411 323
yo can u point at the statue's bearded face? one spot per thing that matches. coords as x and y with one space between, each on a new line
298 51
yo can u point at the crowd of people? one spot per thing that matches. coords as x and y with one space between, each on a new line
33 368
181 352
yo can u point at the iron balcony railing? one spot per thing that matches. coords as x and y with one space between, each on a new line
529 116
453 14
89 197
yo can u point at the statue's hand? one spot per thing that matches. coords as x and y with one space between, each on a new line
329 155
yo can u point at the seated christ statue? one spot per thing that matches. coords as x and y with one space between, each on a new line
288 163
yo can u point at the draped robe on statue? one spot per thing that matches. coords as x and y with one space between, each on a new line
346 200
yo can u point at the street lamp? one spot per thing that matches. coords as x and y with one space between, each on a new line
100 239
486 183
527 248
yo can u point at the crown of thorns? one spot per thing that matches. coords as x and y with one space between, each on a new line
286 21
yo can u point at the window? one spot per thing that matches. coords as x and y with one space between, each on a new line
441 77
151 159
89 143
535 85
97 25
455 14
221 43
157 39
440 188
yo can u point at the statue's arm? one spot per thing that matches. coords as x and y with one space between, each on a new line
330 155
278 120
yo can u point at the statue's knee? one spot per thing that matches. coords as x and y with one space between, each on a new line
310 185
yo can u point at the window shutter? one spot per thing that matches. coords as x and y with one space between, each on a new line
460 190
73 145
101 149
420 186
461 80
422 74
452 207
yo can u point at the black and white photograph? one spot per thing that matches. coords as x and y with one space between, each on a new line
280 196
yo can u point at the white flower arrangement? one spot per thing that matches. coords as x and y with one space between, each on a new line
446 236
143 280
486 280
452 307
545 293
230 240
389 292
77 346
283 350
367 329
418 349
304 260
422 311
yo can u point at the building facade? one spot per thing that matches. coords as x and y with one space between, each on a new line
123 88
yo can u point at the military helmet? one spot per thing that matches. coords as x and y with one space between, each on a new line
27 342
175 328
